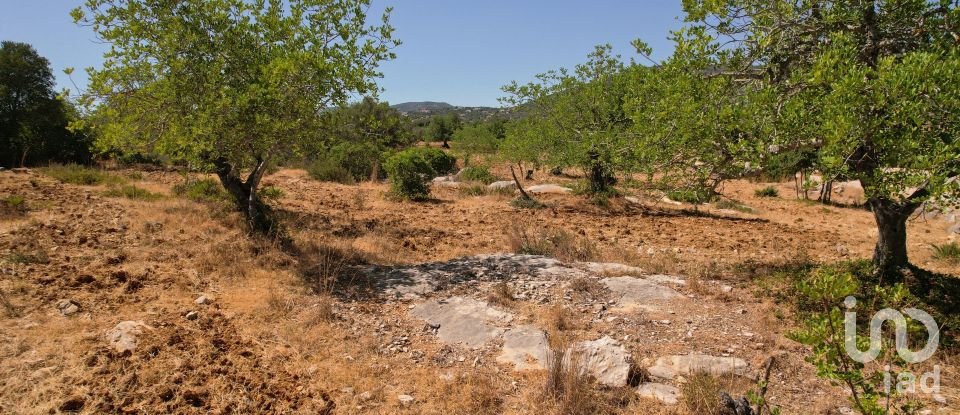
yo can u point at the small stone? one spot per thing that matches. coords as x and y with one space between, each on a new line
123 336
203 300
726 288
405 399
365 396
193 315
68 307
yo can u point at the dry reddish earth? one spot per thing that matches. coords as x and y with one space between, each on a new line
267 344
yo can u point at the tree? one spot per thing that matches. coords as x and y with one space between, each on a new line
871 86
694 131
575 119
33 121
360 136
480 138
230 84
442 127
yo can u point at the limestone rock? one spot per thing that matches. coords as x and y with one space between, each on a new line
638 293
501 185
463 320
664 393
668 367
68 307
123 336
525 347
604 359
548 189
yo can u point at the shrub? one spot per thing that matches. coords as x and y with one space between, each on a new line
358 159
693 196
82 175
328 170
478 174
132 192
203 190
526 203
410 171
768 191
271 193
949 251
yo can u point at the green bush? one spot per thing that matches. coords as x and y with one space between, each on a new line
694 196
132 192
410 171
82 175
203 190
478 174
271 193
358 158
768 191
329 170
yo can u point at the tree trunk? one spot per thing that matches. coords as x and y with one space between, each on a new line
601 178
890 254
245 192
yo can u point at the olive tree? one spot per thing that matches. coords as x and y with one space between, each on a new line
231 84
574 118
869 85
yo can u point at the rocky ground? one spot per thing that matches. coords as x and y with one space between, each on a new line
121 306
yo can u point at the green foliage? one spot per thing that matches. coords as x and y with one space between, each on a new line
329 170
33 119
695 196
480 174
82 175
410 171
202 190
482 138
132 192
271 193
443 127
768 191
948 251
230 84
575 118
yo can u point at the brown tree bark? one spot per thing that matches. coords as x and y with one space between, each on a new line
890 253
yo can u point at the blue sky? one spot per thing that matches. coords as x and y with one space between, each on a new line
456 51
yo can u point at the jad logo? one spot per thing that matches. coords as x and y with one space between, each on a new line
907 382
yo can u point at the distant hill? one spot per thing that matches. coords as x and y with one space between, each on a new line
427 109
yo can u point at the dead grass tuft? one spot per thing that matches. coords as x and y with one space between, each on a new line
556 243
8 307
501 294
701 394
325 266
587 287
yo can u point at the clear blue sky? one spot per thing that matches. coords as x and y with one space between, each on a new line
458 51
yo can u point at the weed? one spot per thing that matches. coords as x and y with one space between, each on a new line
271 193
733 205
81 175
328 170
768 191
526 203
13 206
693 196
202 190
948 251
132 192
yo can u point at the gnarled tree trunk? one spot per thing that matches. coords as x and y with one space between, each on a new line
245 192
890 254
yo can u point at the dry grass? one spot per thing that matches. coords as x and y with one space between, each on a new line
701 394
11 310
324 267
557 243
501 294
